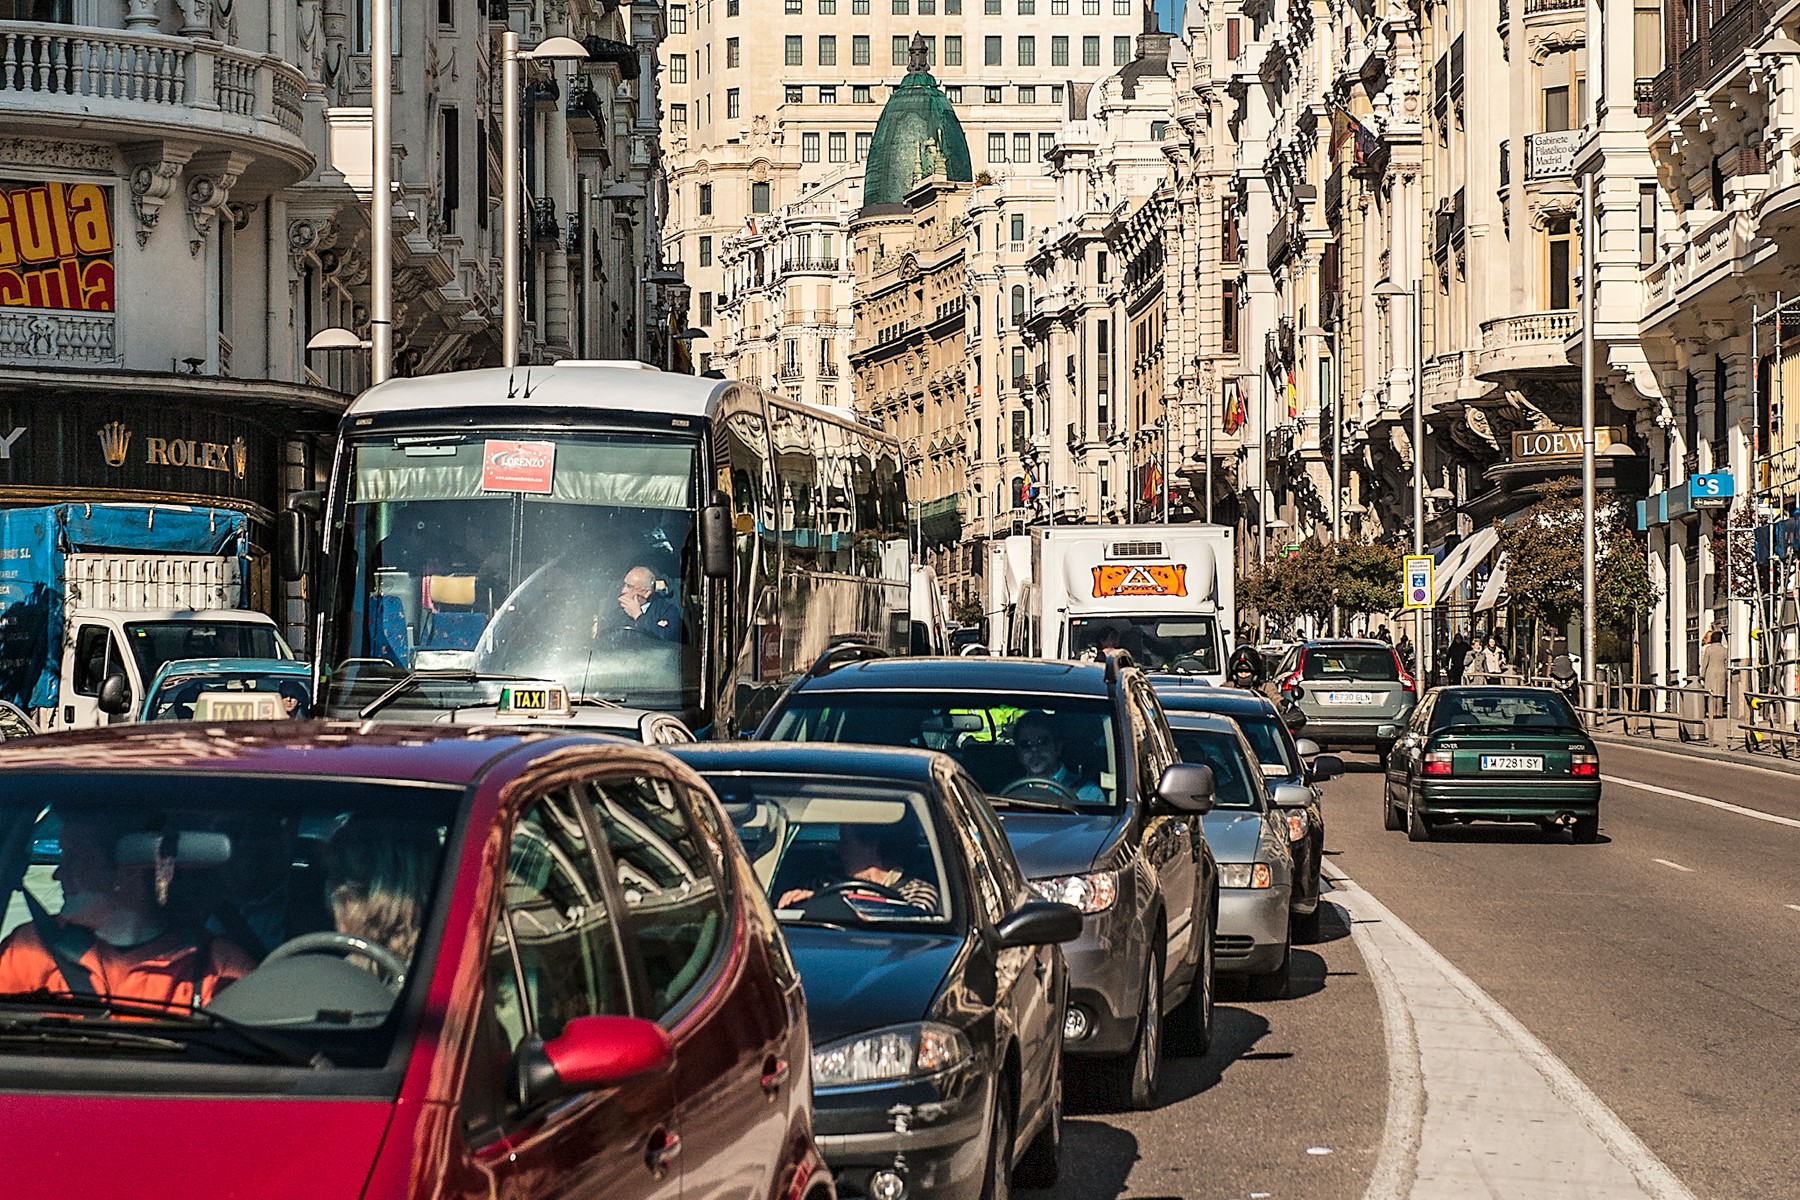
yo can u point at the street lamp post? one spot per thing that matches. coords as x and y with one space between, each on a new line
1588 593
512 319
1392 290
381 191
1337 463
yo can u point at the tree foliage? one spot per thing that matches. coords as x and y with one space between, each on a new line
1358 577
1543 563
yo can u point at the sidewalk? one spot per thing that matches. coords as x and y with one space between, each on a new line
1729 750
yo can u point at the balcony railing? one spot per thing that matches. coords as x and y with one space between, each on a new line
1531 329
1719 47
1534 7
1551 155
47 337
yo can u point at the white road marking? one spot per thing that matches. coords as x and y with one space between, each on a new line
1740 810
1795 907
1477 1105
1692 758
1665 862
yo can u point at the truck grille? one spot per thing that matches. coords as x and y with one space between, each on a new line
1233 945
1135 550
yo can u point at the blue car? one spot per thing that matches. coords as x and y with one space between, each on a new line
177 692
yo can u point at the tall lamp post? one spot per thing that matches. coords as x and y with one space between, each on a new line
550 49
1327 399
1391 290
381 191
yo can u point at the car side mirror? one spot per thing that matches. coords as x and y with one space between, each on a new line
1308 748
592 1053
1296 692
1038 923
294 536
115 695
1187 788
1326 766
1288 795
716 538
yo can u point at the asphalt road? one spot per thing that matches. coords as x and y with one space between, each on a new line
1661 967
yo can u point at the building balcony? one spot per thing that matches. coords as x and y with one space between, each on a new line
1718 48
1551 155
128 86
1532 343
1546 8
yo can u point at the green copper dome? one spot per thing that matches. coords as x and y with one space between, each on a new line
917 137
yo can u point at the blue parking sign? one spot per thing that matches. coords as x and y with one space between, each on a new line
1416 588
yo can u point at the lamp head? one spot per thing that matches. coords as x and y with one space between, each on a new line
555 48
337 338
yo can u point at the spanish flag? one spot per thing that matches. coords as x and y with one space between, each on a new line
1235 413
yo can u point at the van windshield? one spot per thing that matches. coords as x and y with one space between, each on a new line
157 643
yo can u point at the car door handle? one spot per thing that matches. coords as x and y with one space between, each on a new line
775 1074
664 1149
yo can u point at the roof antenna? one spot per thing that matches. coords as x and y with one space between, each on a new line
512 385
527 383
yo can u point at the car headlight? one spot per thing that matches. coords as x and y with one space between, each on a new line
899 1052
1246 875
1091 893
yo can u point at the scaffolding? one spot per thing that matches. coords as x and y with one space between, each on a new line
1763 536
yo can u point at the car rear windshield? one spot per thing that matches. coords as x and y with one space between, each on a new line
812 841
1500 709
274 923
1059 749
1237 782
1369 664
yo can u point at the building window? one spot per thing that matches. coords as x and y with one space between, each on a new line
706 303
809 147
1046 143
828 8
953 8
1646 224
678 68
862 145
1090 51
927 8
1028 51
953 51
860 94
706 199
859 8
677 18
793 55
1158 130
678 114
1121 51
759 197
731 8
1059 8
1018 368
1059 51
706 250
1028 95
1559 265
37 12
733 105
899 49
859 50
1647 38
1027 8
993 95
1090 8
828 95
990 50
996 148
953 93
839 147
1100 265
1056 93
1228 316
931 50
990 8
733 53
1021 148
793 93
827 50
900 7
1105 479
793 8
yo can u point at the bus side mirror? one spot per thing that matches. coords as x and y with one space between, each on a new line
296 544
716 538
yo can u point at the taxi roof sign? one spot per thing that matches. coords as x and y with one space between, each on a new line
239 706
534 700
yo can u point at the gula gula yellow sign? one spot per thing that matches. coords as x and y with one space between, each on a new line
56 247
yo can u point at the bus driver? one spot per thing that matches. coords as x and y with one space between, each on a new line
648 611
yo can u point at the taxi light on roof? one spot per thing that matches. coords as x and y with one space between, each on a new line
534 700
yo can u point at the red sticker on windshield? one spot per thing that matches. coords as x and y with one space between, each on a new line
518 467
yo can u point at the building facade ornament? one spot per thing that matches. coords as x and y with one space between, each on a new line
74 156
152 171
210 180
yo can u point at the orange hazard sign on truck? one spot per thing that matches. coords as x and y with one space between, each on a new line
1151 579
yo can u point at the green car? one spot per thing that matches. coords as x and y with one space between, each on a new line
1494 754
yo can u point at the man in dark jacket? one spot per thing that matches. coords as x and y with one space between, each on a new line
1455 657
647 610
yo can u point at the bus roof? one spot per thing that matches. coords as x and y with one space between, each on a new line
564 385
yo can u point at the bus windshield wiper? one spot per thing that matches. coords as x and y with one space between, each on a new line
412 679
153 1020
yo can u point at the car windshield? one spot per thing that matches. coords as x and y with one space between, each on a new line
13 723
156 643
1057 750
1268 737
518 554
1187 645
1502 710
839 852
1237 782
1373 664
277 923
176 698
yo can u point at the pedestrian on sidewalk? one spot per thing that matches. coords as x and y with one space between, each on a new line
1713 672
1456 657
1475 663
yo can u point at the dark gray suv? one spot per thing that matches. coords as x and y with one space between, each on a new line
1078 761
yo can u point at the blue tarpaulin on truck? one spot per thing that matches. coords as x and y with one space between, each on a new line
34 544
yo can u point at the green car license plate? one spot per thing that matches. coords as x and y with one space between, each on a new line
1512 762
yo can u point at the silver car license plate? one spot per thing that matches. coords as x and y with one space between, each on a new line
1352 698
1512 762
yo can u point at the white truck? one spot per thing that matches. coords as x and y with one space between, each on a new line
96 598
1163 593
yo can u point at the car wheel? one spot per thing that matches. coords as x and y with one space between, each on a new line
1042 1162
1193 1021
1306 925
1586 829
1392 819
1276 984
1140 1073
998 1184
1416 828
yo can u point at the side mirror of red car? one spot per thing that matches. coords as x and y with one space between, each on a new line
592 1053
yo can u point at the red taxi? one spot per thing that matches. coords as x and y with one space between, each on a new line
333 961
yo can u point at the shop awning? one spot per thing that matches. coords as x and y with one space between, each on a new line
1465 558
1490 591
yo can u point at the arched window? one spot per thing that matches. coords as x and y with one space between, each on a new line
1018 303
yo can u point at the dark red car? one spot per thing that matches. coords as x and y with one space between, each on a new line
332 962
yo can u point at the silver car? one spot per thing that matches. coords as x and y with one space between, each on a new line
1352 692
1247 830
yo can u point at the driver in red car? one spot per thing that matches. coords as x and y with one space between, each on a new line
864 855
113 939
1040 752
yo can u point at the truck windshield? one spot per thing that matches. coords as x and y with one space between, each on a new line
566 557
1186 644
155 643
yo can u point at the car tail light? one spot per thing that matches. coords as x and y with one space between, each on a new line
1584 766
1438 762
1293 679
1406 679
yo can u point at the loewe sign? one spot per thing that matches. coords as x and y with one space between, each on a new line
1534 445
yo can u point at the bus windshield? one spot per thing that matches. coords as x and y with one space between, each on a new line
567 557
